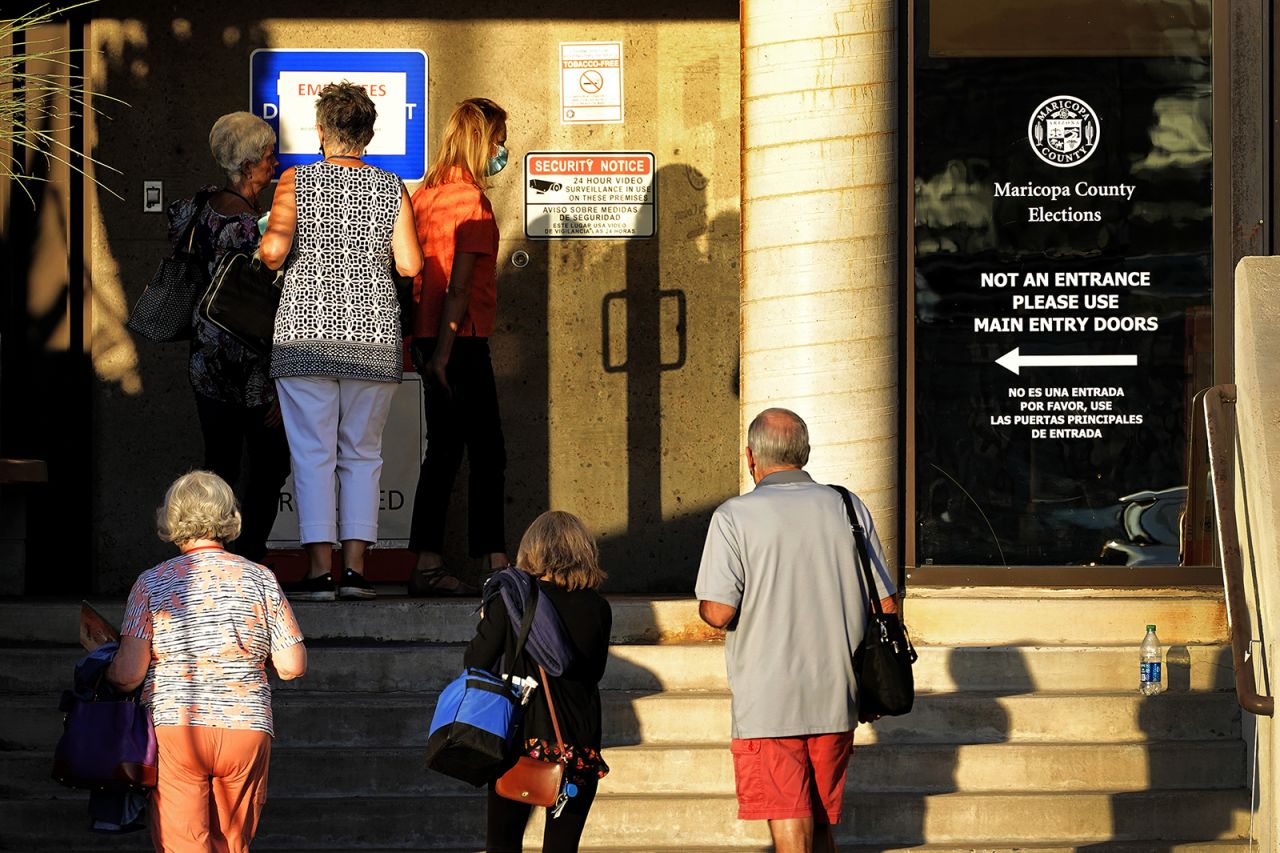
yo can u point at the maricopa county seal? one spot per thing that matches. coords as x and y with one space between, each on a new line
1063 131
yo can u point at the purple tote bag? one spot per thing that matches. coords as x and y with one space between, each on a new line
106 745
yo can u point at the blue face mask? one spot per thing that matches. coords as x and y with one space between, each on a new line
497 163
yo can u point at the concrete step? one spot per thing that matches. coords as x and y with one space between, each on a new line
700 666
398 720
1012 616
642 823
1082 847
636 619
696 770
983 616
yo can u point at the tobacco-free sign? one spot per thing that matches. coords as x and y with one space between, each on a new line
591 82
589 194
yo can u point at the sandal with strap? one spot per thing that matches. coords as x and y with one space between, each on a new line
429 583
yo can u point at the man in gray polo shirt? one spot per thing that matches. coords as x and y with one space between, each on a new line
779 572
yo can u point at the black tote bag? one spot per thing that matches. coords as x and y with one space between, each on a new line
882 662
243 298
164 310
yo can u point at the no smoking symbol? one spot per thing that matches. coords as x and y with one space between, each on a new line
591 82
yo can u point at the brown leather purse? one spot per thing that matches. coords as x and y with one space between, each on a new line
531 781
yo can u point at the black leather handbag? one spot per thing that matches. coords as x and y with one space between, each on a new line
882 662
164 310
242 300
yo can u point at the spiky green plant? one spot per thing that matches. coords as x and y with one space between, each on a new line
36 107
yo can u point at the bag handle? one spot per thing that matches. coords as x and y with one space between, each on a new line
551 706
860 542
199 200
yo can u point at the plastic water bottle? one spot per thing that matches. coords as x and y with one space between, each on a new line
1151 680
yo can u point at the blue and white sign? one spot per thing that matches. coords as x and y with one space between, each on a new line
283 85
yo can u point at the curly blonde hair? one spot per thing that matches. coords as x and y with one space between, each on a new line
199 505
558 548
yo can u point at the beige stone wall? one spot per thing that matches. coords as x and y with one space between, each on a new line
1257 352
643 454
820 236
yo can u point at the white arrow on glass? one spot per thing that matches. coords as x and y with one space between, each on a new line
1014 361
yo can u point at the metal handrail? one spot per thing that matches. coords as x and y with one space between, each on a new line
1220 433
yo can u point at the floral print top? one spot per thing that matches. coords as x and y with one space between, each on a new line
221 368
581 762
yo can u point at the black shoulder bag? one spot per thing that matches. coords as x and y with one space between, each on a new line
243 298
164 311
882 662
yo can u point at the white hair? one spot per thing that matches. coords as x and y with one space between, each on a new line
239 138
779 437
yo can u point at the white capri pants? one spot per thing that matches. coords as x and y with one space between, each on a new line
334 428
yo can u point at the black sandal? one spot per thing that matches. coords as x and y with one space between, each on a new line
426 583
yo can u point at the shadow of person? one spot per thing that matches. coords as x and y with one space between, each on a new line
959 737
1195 761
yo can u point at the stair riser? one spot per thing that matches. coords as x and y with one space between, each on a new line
644 823
700 771
1008 617
666 719
702 667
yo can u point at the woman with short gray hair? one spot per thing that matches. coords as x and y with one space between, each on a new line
338 227
200 633
235 398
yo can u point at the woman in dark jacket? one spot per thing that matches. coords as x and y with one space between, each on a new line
561 554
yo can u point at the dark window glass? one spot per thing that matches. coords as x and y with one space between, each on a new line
1062 279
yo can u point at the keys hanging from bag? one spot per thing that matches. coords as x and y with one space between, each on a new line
536 782
882 662
243 298
164 311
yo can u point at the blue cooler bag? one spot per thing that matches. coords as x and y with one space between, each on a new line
476 719
473 726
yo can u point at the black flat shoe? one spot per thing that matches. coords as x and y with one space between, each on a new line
353 585
434 583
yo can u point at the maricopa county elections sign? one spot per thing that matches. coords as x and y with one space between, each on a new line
283 85
589 194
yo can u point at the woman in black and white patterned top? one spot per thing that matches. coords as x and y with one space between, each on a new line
338 226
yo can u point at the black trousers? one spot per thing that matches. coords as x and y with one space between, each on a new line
465 419
230 431
507 820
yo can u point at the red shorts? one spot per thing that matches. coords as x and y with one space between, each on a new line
789 777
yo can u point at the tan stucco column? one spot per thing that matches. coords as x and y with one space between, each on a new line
819 242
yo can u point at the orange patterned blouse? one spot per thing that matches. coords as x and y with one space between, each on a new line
213 619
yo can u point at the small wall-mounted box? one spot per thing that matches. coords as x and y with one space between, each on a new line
153 196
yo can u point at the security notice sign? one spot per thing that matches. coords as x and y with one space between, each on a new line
591 82
589 194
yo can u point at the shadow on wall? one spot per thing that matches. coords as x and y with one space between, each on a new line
680 366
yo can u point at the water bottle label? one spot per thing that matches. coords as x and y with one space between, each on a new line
1150 672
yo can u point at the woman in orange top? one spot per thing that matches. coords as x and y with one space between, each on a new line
456 301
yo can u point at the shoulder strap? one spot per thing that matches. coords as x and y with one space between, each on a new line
860 543
200 199
551 706
530 605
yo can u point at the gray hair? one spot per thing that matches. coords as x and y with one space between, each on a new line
779 437
239 138
346 113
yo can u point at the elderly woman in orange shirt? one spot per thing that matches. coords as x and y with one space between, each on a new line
456 305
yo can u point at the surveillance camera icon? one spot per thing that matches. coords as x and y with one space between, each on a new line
541 187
